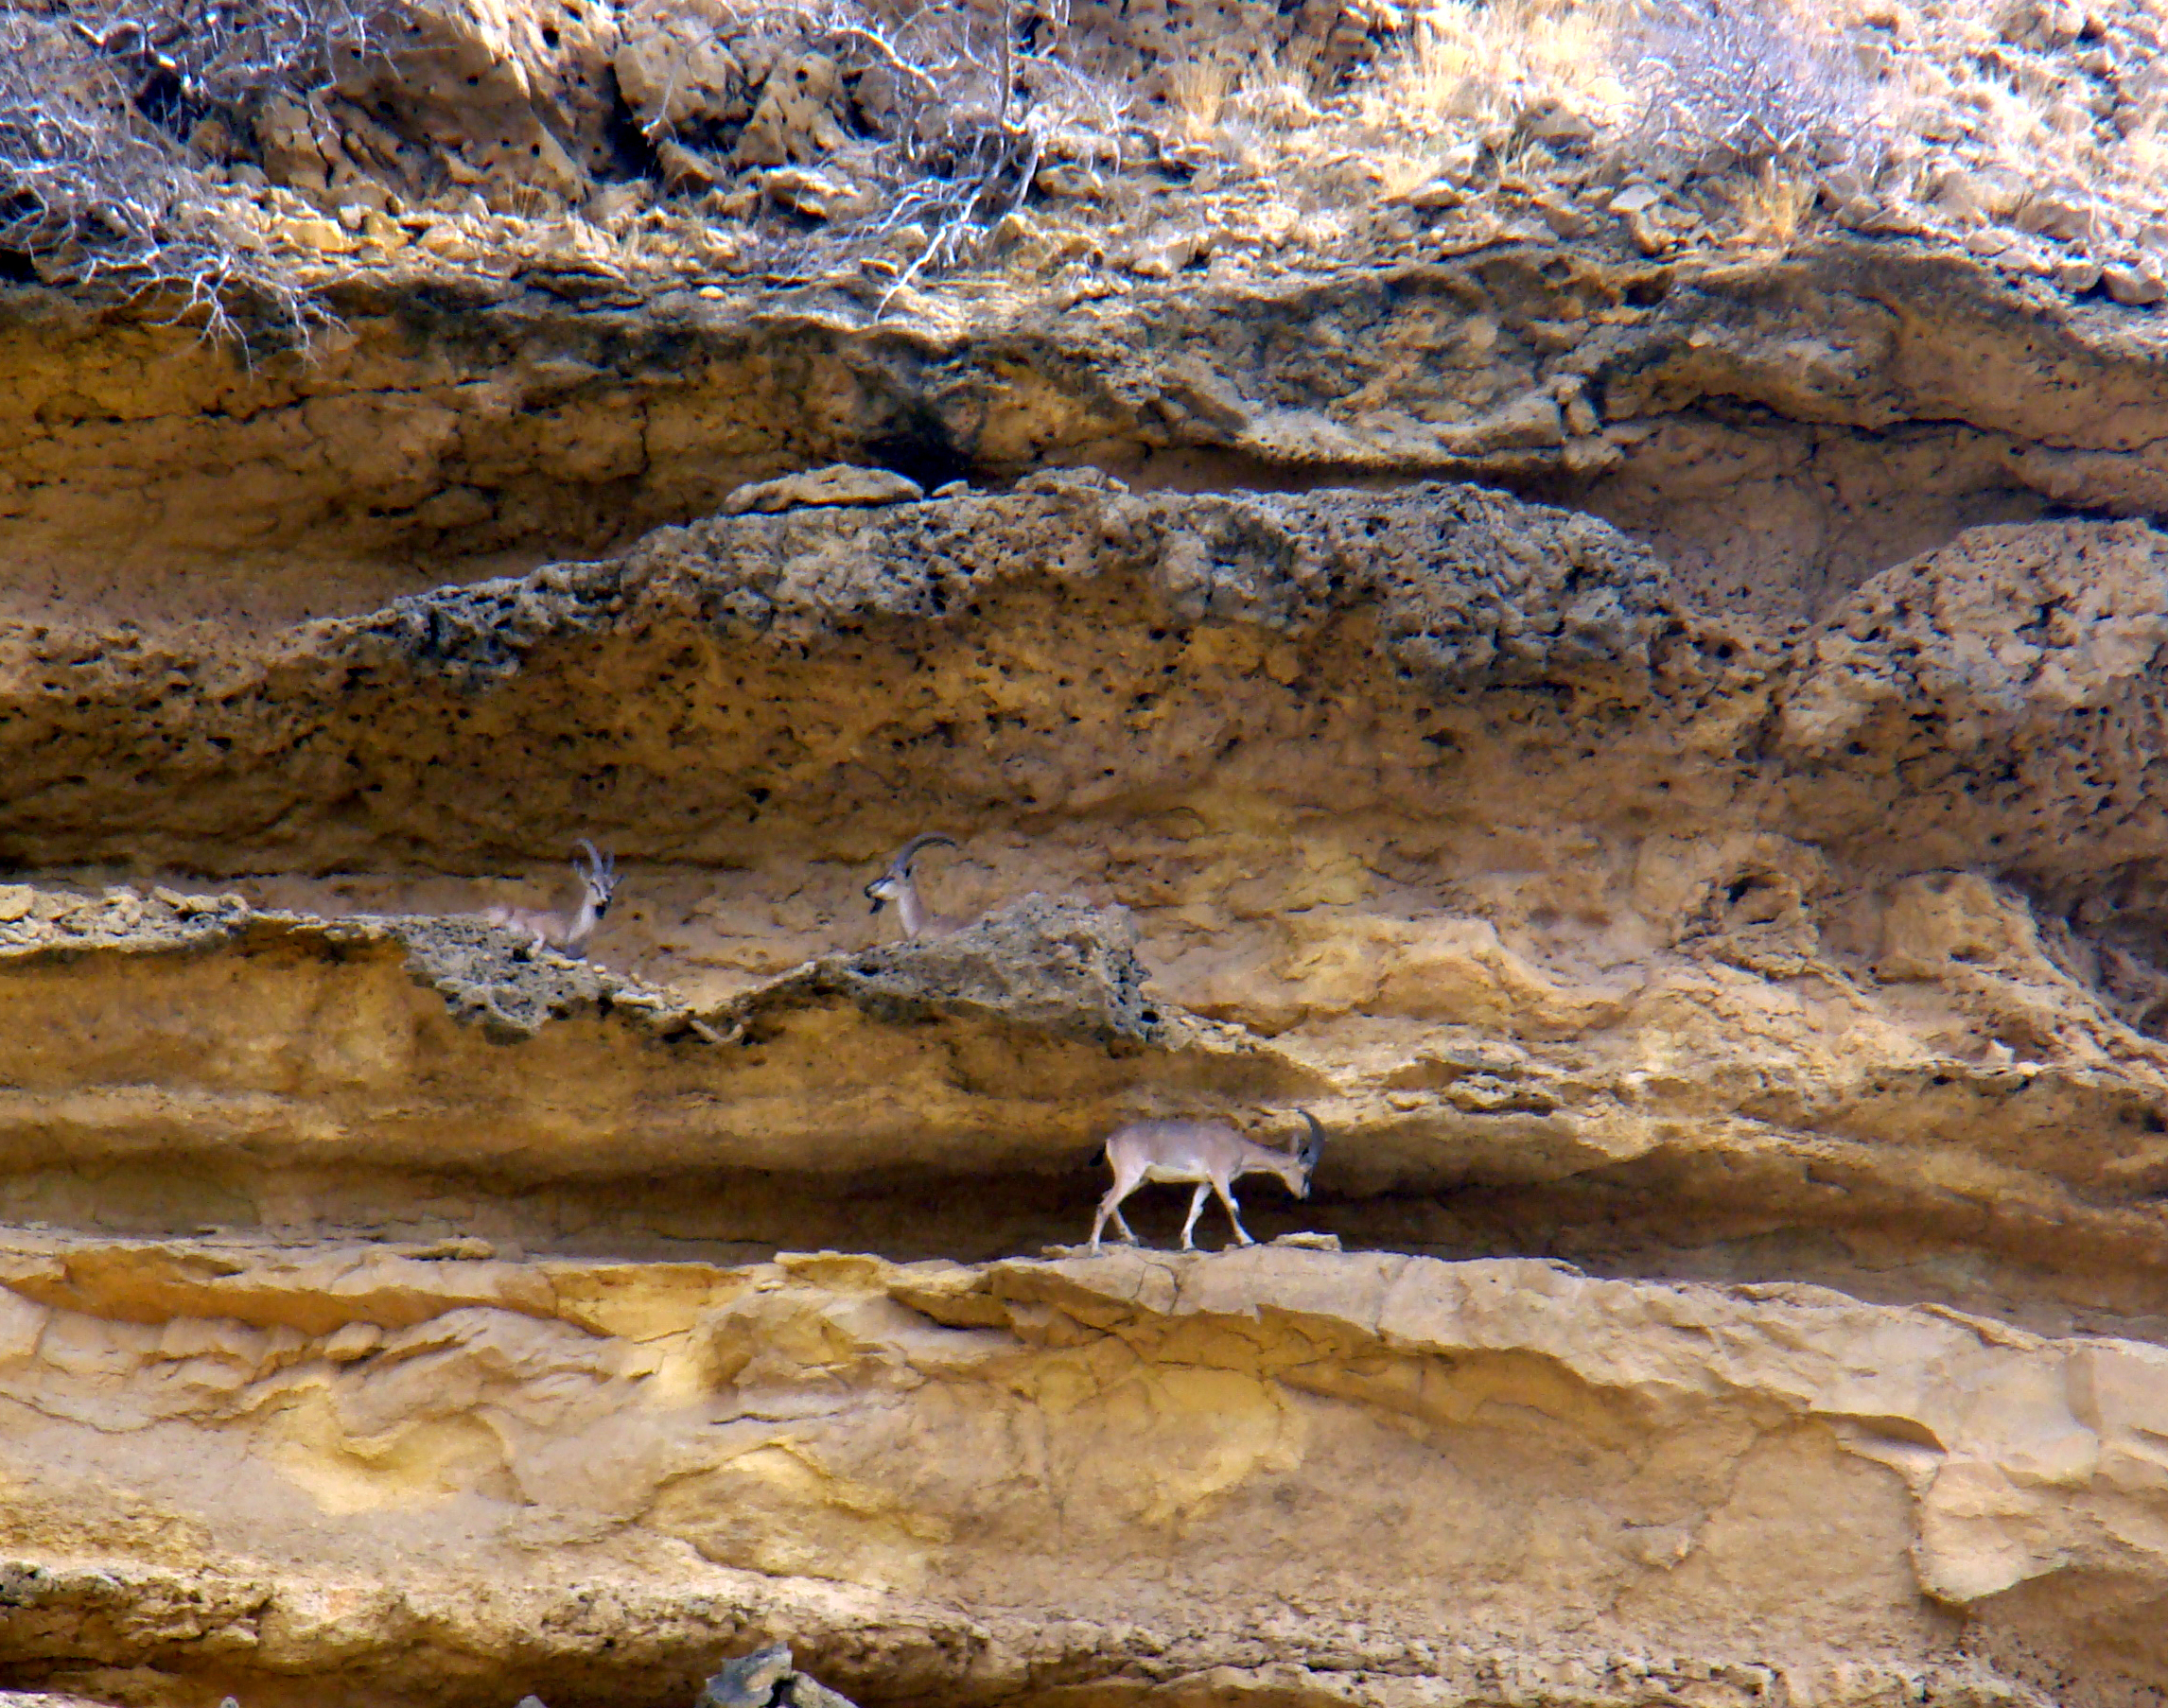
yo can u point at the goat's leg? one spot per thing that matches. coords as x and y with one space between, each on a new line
1111 1206
1195 1205
1227 1198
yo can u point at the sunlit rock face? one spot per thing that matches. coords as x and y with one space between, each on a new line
1711 901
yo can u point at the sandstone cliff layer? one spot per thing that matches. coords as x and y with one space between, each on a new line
1662 762
1277 1476
1779 428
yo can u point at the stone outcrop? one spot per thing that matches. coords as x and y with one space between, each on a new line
766 1679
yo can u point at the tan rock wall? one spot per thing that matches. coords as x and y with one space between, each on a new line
452 434
1307 1476
1725 952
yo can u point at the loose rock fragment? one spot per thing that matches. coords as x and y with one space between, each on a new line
766 1679
840 483
2137 285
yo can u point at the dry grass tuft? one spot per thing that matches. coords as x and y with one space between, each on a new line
1196 96
1466 61
1771 207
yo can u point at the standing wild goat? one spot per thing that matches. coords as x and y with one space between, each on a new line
899 886
558 927
1210 1153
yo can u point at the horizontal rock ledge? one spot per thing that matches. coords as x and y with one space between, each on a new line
195 1031
1940 391
169 1062
468 1476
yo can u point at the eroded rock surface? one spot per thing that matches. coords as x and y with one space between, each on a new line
1311 1476
1778 428
766 1679
1716 914
1447 809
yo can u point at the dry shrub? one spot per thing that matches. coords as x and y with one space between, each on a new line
1465 60
189 58
99 187
78 169
960 104
1748 80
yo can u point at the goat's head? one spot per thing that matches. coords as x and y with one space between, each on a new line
889 885
599 876
1307 1153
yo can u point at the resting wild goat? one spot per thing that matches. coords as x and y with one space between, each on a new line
900 886
568 928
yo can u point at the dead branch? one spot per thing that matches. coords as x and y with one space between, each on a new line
98 194
972 115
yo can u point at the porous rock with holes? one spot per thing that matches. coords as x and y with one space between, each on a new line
1662 761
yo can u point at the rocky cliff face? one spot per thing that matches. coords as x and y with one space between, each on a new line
1662 759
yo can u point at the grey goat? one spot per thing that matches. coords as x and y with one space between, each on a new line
898 885
1211 1154
561 928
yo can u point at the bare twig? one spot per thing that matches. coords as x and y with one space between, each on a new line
218 52
97 187
967 121
1748 80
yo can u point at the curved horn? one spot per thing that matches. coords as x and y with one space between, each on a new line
595 859
1314 1146
910 850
